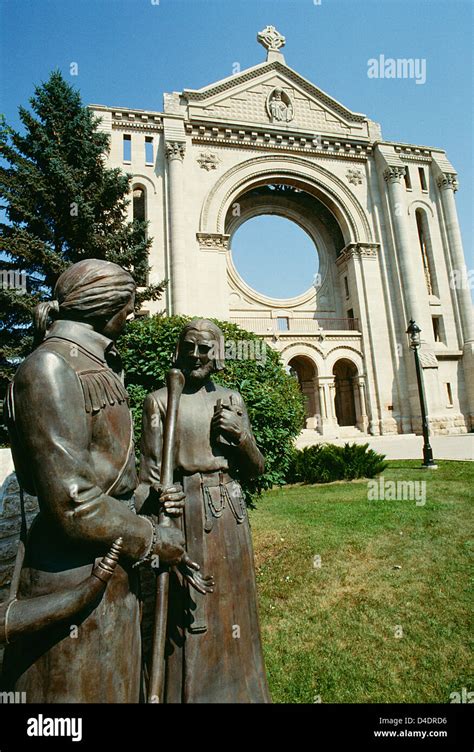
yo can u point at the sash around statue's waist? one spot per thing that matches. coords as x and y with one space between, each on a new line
219 491
211 479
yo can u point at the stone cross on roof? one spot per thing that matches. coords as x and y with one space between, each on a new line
272 40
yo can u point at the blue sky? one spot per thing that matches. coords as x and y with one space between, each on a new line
131 51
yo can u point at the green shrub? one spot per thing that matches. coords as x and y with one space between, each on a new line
273 398
324 463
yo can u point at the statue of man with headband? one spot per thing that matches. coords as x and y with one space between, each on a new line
72 442
213 652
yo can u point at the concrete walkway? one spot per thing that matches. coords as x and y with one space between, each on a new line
403 447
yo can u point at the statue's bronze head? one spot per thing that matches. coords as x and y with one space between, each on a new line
200 350
93 291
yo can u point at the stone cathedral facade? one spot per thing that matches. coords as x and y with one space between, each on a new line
382 216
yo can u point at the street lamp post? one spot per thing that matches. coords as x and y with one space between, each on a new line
413 332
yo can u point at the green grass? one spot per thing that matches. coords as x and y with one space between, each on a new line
330 630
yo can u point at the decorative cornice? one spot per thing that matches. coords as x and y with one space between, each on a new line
448 180
120 125
394 174
175 150
213 241
365 250
268 137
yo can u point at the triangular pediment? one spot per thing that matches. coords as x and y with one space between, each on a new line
275 95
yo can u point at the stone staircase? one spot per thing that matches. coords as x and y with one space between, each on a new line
310 436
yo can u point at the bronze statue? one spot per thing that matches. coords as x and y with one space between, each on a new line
28 615
213 647
72 443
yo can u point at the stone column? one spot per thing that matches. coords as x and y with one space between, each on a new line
175 154
331 387
308 390
415 294
448 185
361 263
393 177
362 418
322 407
327 423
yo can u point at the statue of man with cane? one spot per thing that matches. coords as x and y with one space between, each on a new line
213 650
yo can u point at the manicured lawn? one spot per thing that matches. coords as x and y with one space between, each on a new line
331 630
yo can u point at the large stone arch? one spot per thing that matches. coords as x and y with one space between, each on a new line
139 178
420 204
347 353
306 363
313 178
304 349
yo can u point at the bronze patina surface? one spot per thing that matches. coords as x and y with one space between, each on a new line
213 647
72 442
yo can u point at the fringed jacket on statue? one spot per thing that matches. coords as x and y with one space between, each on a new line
72 442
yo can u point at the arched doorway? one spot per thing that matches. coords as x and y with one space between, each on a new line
305 371
345 375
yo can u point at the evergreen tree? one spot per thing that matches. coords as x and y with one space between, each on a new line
61 204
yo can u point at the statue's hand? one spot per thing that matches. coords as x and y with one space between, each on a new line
172 499
170 544
190 571
228 421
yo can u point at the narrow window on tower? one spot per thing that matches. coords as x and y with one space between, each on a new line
438 330
426 251
139 203
421 172
346 287
140 215
449 395
127 148
407 179
148 150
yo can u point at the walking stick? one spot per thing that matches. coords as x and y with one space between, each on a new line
175 383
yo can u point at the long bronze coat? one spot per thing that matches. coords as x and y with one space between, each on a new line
72 442
214 651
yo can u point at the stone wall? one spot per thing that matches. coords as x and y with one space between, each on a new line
10 522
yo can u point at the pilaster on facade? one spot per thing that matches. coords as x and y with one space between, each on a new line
175 151
448 184
362 418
